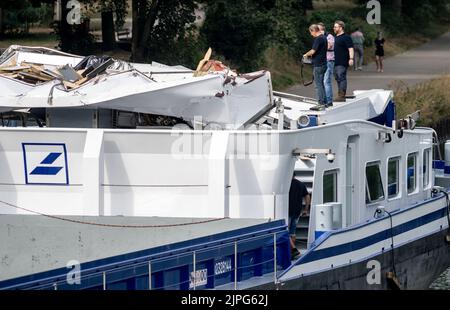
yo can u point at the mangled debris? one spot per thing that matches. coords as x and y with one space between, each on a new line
71 77
36 77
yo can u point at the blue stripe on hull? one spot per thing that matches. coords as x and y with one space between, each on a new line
370 240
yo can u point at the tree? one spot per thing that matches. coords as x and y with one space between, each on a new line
306 5
16 15
158 25
74 37
398 7
289 26
239 29
108 9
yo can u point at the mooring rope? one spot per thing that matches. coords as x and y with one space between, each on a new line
108 225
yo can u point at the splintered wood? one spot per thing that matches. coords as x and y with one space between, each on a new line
36 74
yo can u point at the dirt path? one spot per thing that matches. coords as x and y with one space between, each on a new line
417 65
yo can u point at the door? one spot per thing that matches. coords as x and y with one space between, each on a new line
351 168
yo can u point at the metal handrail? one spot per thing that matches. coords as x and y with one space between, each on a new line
51 281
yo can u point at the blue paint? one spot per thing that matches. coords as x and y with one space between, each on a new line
447 170
375 238
438 164
172 263
50 159
392 189
315 244
42 170
312 122
317 234
388 115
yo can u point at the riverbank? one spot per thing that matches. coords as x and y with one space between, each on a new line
286 69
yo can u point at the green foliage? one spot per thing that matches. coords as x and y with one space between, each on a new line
119 7
431 98
412 16
165 30
289 27
242 31
186 50
352 21
19 14
75 39
239 30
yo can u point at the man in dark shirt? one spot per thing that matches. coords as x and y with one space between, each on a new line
343 53
319 61
297 192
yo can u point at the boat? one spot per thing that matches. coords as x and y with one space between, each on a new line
185 185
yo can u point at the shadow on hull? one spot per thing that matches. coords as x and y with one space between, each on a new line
417 265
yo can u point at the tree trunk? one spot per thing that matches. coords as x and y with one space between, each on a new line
108 33
135 29
144 19
398 6
64 27
307 5
1 22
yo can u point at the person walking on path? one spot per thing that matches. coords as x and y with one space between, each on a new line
318 53
343 58
358 45
379 51
330 65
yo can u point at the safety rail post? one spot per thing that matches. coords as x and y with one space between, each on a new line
149 275
235 265
104 280
55 286
275 257
274 205
194 263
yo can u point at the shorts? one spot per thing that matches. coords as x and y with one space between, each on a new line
379 53
293 221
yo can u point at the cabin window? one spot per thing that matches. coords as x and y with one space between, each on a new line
330 186
393 177
374 184
411 172
426 167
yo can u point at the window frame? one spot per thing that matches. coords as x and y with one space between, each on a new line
416 179
428 167
398 195
381 198
334 172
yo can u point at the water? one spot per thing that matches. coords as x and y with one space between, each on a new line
442 282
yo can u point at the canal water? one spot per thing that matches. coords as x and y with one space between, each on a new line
443 282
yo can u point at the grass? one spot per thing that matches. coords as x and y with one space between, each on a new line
397 44
333 4
284 68
45 39
432 98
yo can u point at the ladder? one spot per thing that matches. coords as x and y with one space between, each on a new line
305 173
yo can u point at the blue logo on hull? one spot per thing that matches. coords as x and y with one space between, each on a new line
44 170
47 163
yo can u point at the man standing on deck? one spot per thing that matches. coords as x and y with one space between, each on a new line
330 65
343 58
318 53
297 193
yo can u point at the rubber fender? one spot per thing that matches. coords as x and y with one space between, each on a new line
393 282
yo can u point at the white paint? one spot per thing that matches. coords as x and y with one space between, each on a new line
93 198
374 274
218 175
